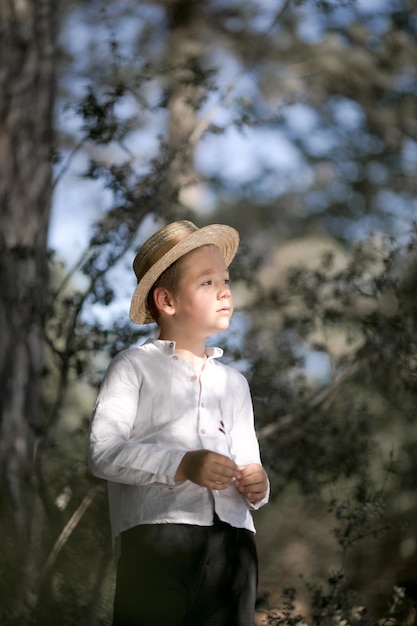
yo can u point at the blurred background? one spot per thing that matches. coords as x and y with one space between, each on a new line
295 121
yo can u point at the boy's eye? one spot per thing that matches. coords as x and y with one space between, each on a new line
210 282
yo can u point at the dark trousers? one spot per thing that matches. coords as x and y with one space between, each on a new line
183 575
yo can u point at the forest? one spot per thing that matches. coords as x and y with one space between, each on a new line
294 121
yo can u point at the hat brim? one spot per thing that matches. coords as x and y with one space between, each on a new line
224 237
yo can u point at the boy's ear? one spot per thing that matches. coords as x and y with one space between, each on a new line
163 301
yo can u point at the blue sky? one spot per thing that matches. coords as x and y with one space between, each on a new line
239 156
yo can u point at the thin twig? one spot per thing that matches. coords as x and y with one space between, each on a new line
67 531
318 399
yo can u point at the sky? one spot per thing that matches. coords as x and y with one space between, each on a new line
241 157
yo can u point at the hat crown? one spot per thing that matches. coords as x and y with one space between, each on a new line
159 244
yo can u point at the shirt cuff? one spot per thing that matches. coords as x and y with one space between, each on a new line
258 505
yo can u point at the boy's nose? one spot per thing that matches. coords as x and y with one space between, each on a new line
224 291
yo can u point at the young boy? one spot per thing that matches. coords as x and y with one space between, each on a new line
173 434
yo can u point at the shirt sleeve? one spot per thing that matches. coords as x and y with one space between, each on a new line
113 454
244 445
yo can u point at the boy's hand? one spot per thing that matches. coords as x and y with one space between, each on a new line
252 482
207 469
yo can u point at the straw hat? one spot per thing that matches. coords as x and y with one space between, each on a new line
166 246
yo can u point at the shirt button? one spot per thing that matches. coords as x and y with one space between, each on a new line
171 345
175 357
203 431
202 405
194 377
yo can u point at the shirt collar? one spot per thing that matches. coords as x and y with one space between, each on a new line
168 348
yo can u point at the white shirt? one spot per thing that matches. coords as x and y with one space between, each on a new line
151 410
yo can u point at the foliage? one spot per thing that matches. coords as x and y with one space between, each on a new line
335 600
331 86
356 311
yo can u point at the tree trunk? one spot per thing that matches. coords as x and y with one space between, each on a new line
27 87
186 87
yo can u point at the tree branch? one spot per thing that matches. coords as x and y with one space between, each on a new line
324 395
66 533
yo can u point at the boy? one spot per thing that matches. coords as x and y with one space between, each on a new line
173 434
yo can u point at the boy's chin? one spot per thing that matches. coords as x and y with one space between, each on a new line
224 325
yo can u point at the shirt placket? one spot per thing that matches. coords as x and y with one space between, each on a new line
202 423
208 430
192 378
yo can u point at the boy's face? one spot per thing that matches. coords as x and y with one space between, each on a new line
203 300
